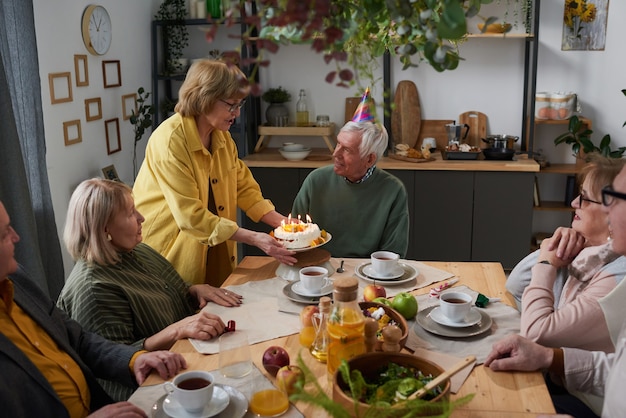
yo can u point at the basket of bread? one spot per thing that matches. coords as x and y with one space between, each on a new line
406 153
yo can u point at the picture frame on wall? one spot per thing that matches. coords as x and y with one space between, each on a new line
112 128
72 132
60 87
111 74
110 173
129 104
93 109
81 70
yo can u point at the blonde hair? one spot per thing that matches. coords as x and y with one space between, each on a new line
601 171
208 81
92 205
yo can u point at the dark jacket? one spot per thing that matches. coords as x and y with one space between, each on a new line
24 391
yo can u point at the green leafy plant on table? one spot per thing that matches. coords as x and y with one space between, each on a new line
580 140
141 120
312 393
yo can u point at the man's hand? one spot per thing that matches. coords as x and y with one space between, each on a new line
119 410
165 363
518 353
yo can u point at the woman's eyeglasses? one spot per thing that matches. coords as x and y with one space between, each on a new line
609 195
234 106
582 198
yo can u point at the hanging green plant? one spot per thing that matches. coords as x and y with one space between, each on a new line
175 34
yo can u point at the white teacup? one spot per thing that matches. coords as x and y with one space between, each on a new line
292 146
193 390
429 143
455 305
314 279
384 263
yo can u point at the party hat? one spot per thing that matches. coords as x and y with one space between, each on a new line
363 113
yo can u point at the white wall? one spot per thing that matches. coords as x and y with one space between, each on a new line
490 81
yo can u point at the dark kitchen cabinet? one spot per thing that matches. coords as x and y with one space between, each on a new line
454 215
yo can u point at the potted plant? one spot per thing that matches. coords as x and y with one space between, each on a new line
141 121
175 35
580 140
276 97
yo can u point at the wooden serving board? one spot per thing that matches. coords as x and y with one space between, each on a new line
434 128
412 160
477 122
406 117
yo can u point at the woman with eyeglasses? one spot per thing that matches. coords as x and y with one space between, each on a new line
568 313
191 181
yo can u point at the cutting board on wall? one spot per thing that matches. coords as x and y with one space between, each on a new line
406 116
477 122
434 128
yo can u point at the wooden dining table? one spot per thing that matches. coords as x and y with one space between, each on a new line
496 394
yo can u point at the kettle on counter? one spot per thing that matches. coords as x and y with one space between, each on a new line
454 132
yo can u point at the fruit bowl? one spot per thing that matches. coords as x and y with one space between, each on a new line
295 155
369 365
394 315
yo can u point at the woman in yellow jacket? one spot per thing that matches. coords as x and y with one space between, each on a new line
191 181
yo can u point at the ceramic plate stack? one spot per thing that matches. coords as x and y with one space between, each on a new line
404 273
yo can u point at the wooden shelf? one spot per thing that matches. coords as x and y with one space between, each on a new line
326 132
560 169
584 120
555 206
500 35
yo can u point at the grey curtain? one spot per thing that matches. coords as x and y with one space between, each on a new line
24 186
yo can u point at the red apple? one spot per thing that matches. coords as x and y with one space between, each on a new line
287 377
306 315
373 291
274 358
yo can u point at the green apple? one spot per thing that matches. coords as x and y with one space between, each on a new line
383 301
406 304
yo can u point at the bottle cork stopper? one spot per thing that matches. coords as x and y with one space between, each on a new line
324 304
345 289
391 339
371 327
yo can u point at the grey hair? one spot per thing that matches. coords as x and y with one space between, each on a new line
374 138
92 205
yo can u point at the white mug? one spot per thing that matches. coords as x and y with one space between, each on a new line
455 305
193 390
384 262
314 279
429 143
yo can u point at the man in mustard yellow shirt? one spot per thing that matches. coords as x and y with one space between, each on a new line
49 363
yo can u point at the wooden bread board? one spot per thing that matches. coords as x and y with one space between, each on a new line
411 160
434 128
477 123
406 115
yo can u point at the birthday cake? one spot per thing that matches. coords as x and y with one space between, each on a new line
298 235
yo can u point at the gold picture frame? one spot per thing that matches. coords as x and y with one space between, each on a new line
60 87
81 70
111 74
112 128
93 109
129 104
110 173
72 133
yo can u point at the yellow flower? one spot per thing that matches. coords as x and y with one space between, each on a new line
589 14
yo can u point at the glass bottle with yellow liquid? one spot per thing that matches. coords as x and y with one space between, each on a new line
302 111
345 325
319 348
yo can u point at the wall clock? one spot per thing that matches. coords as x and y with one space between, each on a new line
97 31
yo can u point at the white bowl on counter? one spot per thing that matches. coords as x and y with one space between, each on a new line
297 155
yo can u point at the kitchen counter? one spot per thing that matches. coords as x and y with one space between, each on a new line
270 158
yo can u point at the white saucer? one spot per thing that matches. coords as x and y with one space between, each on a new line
299 289
369 271
218 403
472 318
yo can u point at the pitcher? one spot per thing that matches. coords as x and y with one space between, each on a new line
454 133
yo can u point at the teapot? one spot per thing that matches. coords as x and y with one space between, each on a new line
454 132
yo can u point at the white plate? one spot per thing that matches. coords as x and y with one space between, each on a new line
369 271
299 289
299 250
424 320
410 273
237 406
293 296
219 402
472 318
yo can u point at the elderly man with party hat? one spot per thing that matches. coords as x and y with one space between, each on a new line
363 207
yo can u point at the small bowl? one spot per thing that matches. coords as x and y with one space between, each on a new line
295 155
370 363
393 314
495 27
292 146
